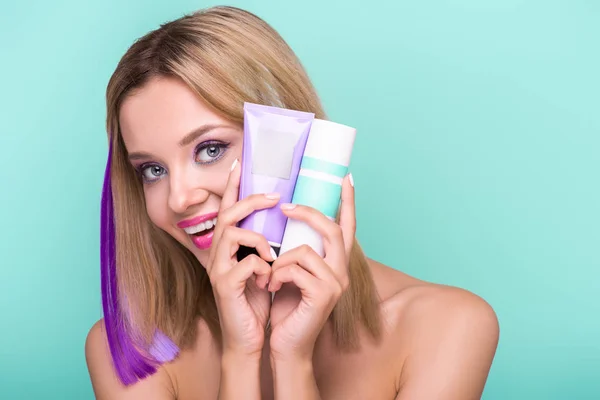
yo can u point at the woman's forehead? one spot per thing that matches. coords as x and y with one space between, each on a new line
162 109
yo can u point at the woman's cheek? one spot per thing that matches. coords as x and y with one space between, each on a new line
156 209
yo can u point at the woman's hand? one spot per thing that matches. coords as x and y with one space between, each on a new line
296 324
240 291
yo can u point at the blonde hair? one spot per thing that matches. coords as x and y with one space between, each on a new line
227 56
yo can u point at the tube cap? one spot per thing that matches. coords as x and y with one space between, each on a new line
330 141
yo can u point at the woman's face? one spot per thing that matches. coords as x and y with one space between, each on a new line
183 152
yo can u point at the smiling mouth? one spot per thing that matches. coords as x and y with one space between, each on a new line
202 228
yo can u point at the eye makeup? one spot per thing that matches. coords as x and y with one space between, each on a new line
213 149
205 153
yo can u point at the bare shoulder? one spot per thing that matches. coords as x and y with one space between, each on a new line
419 304
104 379
446 336
433 312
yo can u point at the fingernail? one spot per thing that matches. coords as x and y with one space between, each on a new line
288 206
273 254
351 179
233 165
272 196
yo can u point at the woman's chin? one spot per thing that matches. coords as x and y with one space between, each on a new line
202 255
202 252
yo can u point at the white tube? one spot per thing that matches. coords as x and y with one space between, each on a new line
319 185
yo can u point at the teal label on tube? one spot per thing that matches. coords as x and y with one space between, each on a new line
314 164
321 195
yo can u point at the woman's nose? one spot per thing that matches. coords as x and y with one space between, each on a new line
184 194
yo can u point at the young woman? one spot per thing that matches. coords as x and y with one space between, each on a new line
183 318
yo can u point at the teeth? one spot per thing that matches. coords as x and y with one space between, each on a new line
201 226
190 230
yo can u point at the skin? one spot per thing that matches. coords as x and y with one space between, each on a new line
438 341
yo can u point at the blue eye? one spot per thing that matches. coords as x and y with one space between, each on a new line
151 173
209 152
206 153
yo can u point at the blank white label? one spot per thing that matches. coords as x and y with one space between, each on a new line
273 153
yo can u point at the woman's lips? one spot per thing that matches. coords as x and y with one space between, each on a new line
195 221
203 223
203 242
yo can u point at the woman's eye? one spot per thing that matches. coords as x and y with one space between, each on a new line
152 173
208 153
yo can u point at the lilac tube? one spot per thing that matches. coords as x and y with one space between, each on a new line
274 141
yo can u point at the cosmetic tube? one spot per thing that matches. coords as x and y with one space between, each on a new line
319 184
274 141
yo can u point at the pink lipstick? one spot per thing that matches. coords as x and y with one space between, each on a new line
200 229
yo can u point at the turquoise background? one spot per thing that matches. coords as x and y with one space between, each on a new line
476 165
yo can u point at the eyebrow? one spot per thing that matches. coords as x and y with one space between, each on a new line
187 139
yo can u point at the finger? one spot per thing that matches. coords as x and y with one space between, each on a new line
235 279
230 195
234 237
333 241
305 257
249 266
348 213
229 198
293 273
262 280
241 209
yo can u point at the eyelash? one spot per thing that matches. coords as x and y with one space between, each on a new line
202 146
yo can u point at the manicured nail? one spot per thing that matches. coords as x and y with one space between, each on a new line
273 254
288 206
234 164
351 179
272 196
